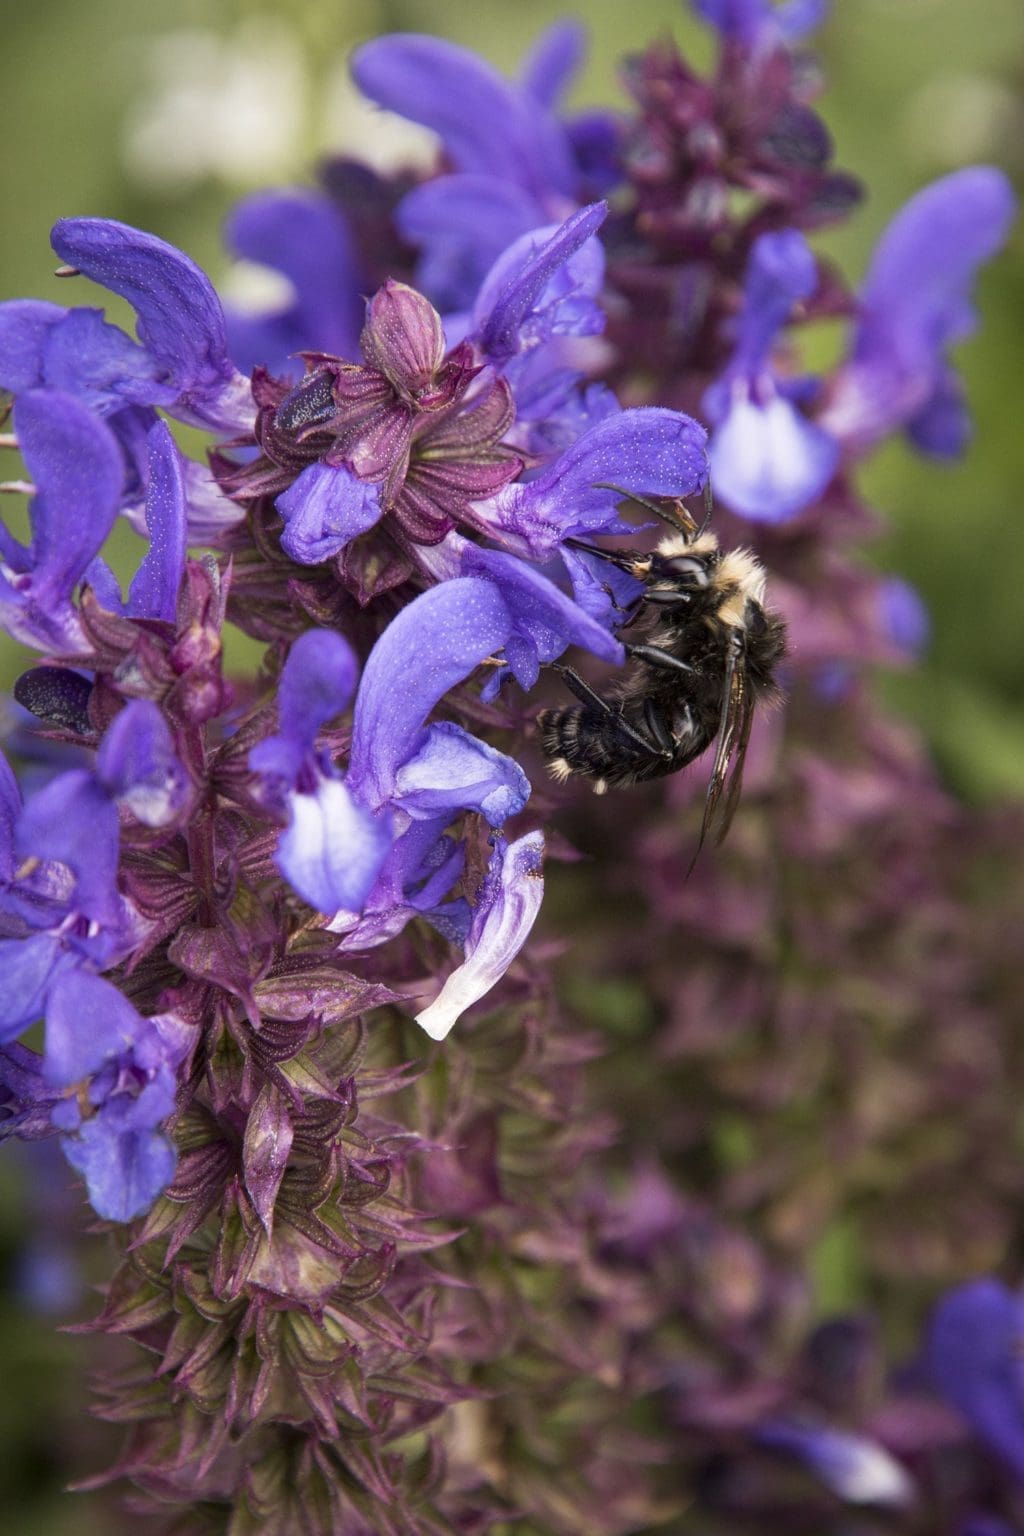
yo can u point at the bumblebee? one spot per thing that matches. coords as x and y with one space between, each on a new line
705 660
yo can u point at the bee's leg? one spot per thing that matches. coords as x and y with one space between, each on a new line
659 730
594 701
625 559
666 599
656 657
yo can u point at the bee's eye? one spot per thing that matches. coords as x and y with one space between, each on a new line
692 572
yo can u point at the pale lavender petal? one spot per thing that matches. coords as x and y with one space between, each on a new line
325 509
855 1467
485 123
453 771
768 462
180 320
138 765
506 909
650 450
333 848
153 593
432 644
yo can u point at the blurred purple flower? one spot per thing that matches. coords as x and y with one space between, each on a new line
915 303
767 460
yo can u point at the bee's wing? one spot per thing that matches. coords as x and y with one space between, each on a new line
734 723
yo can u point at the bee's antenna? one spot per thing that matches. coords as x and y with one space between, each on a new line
641 501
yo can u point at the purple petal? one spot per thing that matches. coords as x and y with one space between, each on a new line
73 820
28 966
916 301
505 912
454 771
124 1171
325 509
432 644
10 810
541 611
461 224
89 1023
25 327
485 123
759 23
90 358
767 461
973 1356
904 616
302 234
781 271
942 426
333 848
650 450
317 683
180 320
544 285
153 593
75 465
553 61
138 765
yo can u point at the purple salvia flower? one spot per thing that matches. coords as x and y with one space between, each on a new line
301 234
916 302
180 320
94 1036
76 472
433 644
767 460
333 848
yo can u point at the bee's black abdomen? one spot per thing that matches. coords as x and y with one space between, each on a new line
578 741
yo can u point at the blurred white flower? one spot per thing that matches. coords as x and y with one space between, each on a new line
230 107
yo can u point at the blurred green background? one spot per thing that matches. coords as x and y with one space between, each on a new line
162 115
